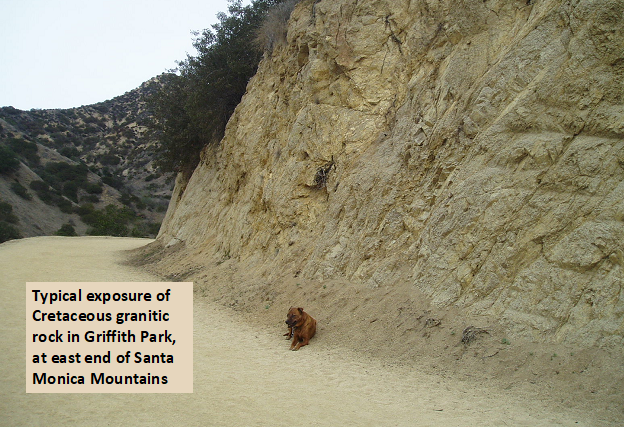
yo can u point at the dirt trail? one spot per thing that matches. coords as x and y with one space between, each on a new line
243 376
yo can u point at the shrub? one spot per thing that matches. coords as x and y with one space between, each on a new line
70 190
141 204
93 188
109 160
113 182
110 221
8 232
66 230
153 228
85 210
37 186
8 160
145 229
26 149
101 108
20 190
90 198
127 198
43 191
70 152
274 27
63 172
11 110
64 205
59 139
6 213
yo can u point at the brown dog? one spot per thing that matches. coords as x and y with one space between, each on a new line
301 327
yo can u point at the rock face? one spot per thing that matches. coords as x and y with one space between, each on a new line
474 150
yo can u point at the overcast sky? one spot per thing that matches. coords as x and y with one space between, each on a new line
68 53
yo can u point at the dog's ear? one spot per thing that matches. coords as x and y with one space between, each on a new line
300 310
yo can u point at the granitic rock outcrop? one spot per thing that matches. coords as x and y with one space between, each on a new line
473 150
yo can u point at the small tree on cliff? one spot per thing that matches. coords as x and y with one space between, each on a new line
193 106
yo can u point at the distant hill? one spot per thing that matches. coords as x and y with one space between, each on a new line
89 169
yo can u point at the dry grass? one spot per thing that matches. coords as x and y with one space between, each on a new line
274 29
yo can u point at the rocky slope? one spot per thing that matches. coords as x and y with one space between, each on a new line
468 154
109 138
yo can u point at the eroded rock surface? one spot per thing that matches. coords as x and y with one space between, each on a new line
471 150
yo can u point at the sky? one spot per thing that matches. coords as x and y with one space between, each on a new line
69 53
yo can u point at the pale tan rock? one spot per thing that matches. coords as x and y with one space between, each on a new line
478 154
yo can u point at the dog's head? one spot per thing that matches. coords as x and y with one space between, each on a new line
294 317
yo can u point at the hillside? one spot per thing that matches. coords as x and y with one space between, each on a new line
438 182
102 149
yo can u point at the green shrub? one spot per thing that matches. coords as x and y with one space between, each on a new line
28 150
64 205
110 221
59 139
8 232
70 190
70 152
11 110
153 228
138 232
37 186
20 190
93 188
43 191
6 213
62 172
101 108
110 160
140 204
90 198
66 230
114 182
145 229
127 198
8 160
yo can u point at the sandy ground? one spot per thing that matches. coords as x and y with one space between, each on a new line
243 375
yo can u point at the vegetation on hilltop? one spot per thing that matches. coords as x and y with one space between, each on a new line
193 106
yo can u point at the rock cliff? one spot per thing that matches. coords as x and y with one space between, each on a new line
470 151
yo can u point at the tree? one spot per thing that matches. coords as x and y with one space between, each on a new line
193 106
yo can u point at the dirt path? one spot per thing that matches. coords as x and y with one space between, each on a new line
242 376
